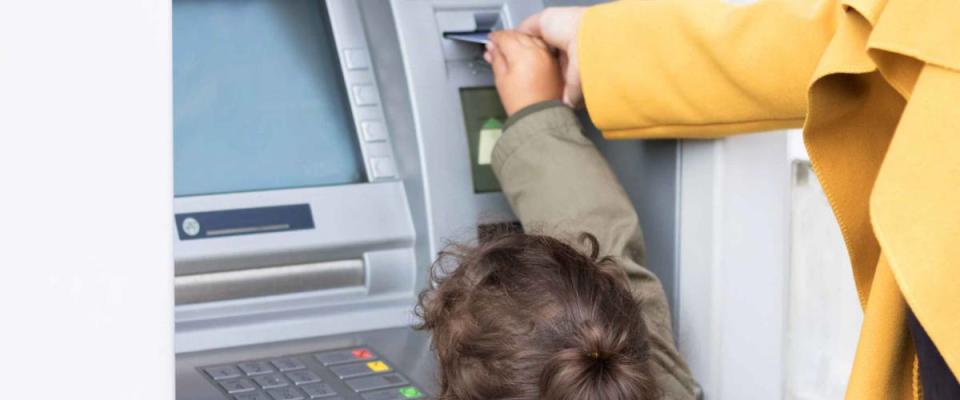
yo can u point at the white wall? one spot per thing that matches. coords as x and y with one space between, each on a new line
85 199
824 315
733 258
767 306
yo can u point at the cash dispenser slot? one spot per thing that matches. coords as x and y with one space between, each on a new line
284 279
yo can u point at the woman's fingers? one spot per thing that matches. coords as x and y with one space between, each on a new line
531 25
572 89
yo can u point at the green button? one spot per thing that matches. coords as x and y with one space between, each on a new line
410 392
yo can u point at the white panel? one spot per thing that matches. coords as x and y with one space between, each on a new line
824 317
734 228
86 172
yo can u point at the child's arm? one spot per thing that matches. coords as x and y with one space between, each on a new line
559 184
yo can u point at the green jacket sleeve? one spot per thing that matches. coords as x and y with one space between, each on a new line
559 185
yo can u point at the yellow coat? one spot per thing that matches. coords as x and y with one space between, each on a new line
876 86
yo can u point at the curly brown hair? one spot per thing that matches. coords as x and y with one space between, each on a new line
529 317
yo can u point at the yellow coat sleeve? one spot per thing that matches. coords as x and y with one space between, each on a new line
701 69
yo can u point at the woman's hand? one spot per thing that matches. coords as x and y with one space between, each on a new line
525 70
558 27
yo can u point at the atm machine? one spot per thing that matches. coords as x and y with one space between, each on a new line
325 151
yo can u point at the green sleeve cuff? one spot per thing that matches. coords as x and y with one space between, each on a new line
543 105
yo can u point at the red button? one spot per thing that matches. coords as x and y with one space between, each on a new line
362 354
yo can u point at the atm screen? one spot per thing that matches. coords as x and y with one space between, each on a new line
484 117
258 98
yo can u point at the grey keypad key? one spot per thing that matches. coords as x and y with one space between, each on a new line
345 356
270 381
222 372
304 376
252 396
376 382
404 393
238 385
286 393
288 364
344 371
318 390
388 394
256 367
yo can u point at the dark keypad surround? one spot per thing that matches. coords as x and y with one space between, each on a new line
355 373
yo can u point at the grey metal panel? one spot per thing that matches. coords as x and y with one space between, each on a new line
454 210
347 25
385 300
200 288
349 220
386 56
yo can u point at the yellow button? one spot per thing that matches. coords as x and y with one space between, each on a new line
378 366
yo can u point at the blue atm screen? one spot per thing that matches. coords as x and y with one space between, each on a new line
258 98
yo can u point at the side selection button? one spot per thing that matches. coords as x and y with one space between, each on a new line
356 59
373 131
365 95
383 167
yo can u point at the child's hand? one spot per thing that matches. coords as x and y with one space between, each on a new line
525 70
558 26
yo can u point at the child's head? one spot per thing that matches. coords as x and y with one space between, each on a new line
529 317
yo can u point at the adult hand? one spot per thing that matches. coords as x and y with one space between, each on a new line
558 27
525 70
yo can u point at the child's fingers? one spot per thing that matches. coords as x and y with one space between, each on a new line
488 52
508 43
540 43
496 60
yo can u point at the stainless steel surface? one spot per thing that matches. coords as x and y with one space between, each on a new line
406 349
267 281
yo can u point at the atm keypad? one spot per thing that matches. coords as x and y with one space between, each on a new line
353 373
